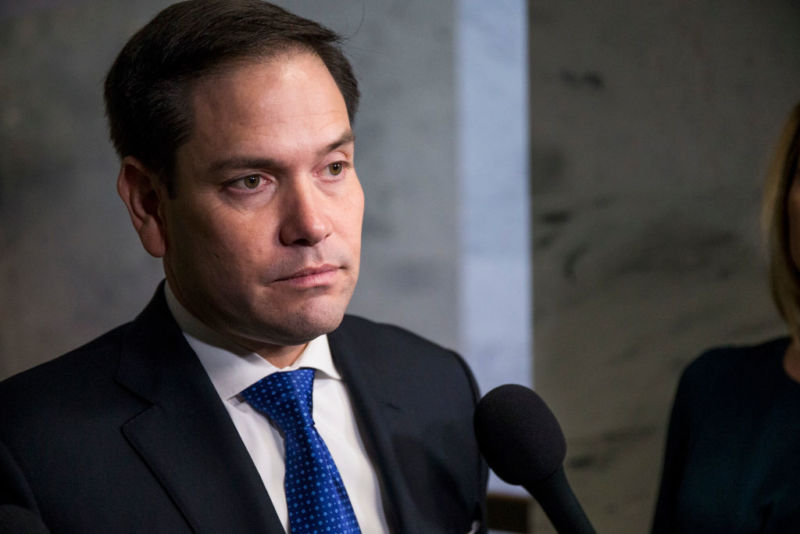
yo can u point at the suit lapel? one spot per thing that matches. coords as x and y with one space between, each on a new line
186 437
375 413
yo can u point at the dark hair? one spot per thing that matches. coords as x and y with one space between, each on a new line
147 89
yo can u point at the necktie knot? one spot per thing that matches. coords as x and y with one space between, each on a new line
285 397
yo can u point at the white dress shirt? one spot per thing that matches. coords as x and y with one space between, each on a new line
233 369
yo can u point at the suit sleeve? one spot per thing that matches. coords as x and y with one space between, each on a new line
14 489
483 470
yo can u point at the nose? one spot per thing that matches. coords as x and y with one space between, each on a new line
305 221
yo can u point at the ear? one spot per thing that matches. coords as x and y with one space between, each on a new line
143 195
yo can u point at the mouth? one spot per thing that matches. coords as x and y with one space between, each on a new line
309 277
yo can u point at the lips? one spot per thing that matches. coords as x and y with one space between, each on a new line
311 276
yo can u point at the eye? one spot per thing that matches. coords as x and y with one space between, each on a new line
252 181
336 168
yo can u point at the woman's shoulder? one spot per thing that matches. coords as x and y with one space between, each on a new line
734 365
738 358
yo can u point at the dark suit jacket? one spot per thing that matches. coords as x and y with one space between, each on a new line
127 434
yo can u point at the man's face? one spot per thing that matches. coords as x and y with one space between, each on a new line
263 235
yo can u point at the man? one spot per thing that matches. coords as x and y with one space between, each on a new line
233 124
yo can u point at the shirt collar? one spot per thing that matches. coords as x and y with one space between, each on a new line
231 367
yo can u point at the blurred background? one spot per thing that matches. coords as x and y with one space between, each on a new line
565 192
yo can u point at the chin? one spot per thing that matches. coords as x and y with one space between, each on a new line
302 327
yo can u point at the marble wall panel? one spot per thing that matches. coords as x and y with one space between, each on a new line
652 123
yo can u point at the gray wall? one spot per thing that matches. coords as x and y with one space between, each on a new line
71 265
492 173
651 127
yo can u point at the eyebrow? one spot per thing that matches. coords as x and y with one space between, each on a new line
247 162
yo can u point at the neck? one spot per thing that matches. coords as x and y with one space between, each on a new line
282 357
278 355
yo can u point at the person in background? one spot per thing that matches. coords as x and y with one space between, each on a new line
242 399
731 463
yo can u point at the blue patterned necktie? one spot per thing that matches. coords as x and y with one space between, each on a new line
315 494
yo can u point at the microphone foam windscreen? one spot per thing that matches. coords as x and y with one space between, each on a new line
518 435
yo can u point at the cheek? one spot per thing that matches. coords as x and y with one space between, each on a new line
204 242
352 218
355 209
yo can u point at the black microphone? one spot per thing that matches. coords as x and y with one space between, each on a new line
18 520
523 444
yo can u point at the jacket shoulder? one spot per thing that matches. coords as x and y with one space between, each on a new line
355 325
727 379
735 362
63 382
398 346
397 357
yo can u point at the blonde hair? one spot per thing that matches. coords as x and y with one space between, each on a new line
784 275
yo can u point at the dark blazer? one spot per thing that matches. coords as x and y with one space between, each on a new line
731 463
127 434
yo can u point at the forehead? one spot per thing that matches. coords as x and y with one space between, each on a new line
287 99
